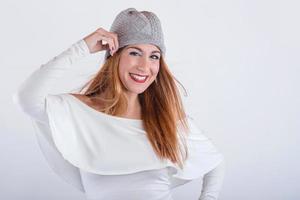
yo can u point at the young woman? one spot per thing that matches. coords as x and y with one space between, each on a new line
125 135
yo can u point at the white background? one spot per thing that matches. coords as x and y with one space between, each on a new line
238 60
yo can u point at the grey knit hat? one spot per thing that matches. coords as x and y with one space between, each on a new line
134 27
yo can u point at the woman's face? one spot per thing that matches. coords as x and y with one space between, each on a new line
139 66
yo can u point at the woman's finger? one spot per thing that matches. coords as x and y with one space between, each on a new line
108 41
112 35
115 37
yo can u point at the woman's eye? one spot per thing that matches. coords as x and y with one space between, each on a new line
156 57
133 53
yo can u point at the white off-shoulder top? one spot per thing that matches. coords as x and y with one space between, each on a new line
105 156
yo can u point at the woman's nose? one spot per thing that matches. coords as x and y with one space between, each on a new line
144 63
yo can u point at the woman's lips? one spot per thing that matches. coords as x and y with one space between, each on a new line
138 78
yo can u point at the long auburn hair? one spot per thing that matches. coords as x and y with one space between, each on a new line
161 107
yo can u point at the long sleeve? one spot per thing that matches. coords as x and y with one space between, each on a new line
213 182
31 94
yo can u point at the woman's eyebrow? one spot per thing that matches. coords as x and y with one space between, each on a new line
156 51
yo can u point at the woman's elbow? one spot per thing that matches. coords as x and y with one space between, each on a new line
28 105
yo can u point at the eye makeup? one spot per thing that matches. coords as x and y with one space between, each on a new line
135 53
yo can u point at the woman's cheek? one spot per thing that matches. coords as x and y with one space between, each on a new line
156 70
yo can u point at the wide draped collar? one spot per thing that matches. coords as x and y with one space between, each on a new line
79 136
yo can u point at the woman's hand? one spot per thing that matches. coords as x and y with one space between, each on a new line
102 40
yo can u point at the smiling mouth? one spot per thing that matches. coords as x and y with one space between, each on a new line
138 78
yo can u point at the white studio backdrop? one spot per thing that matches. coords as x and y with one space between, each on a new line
238 60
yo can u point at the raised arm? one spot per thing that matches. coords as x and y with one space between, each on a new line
212 183
31 94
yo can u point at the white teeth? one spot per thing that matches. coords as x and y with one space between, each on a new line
138 77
